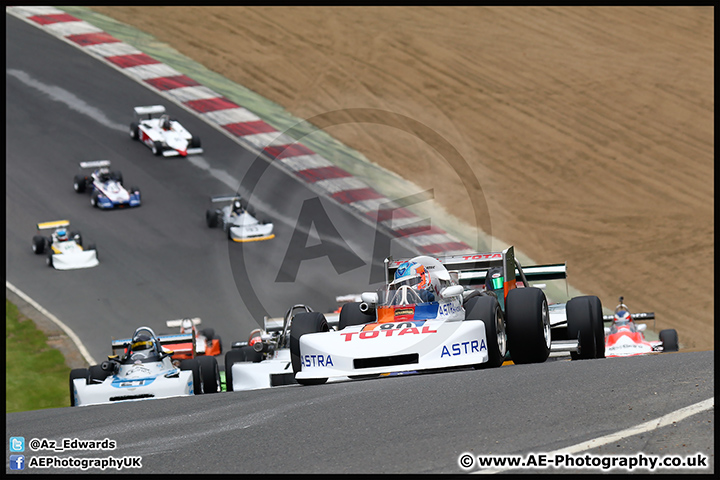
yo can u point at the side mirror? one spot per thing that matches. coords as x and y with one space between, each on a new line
371 298
452 291
641 327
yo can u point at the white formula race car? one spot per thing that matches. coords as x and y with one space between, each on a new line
162 134
144 370
425 319
105 187
264 360
238 220
64 249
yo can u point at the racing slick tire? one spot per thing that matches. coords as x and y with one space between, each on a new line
38 244
210 374
134 131
527 325
237 355
96 374
195 142
584 323
79 183
94 199
49 259
669 339
193 365
208 333
350 314
76 373
117 175
302 323
211 218
157 148
487 309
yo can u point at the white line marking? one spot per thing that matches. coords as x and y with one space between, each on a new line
665 420
68 98
88 358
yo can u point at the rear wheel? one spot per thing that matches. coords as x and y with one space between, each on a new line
117 176
210 374
528 325
76 373
584 323
669 339
77 237
194 366
302 323
487 309
211 218
38 244
350 314
79 183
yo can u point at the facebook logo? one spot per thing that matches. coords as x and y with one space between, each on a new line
17 462
17 444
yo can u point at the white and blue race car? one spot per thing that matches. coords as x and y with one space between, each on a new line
145 370
105 186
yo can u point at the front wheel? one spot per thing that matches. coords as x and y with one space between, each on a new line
194 366
210 374
487 309
211 218
584 323
528 325
79 183
134 131
78 373
157 148
302 323
669 339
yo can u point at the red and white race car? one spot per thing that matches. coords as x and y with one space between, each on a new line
164 135
625 338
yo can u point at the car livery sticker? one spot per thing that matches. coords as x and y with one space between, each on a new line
375 330
463 348
399 313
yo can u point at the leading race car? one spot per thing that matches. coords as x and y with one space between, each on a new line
206 342
64 249
238 220
425 319
105 186
144 371
164 135
625 338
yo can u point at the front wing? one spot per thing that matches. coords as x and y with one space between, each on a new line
252 233
387 348
116 389
71 261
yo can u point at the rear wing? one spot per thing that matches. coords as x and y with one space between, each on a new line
95 164
224 198
123 343
51 225
472 268
178 323
635 316
276 324
149 111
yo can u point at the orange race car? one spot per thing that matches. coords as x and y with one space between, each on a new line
206 342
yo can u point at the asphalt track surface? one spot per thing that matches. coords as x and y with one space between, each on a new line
160 261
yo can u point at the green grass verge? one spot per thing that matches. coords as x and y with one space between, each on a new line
36 375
